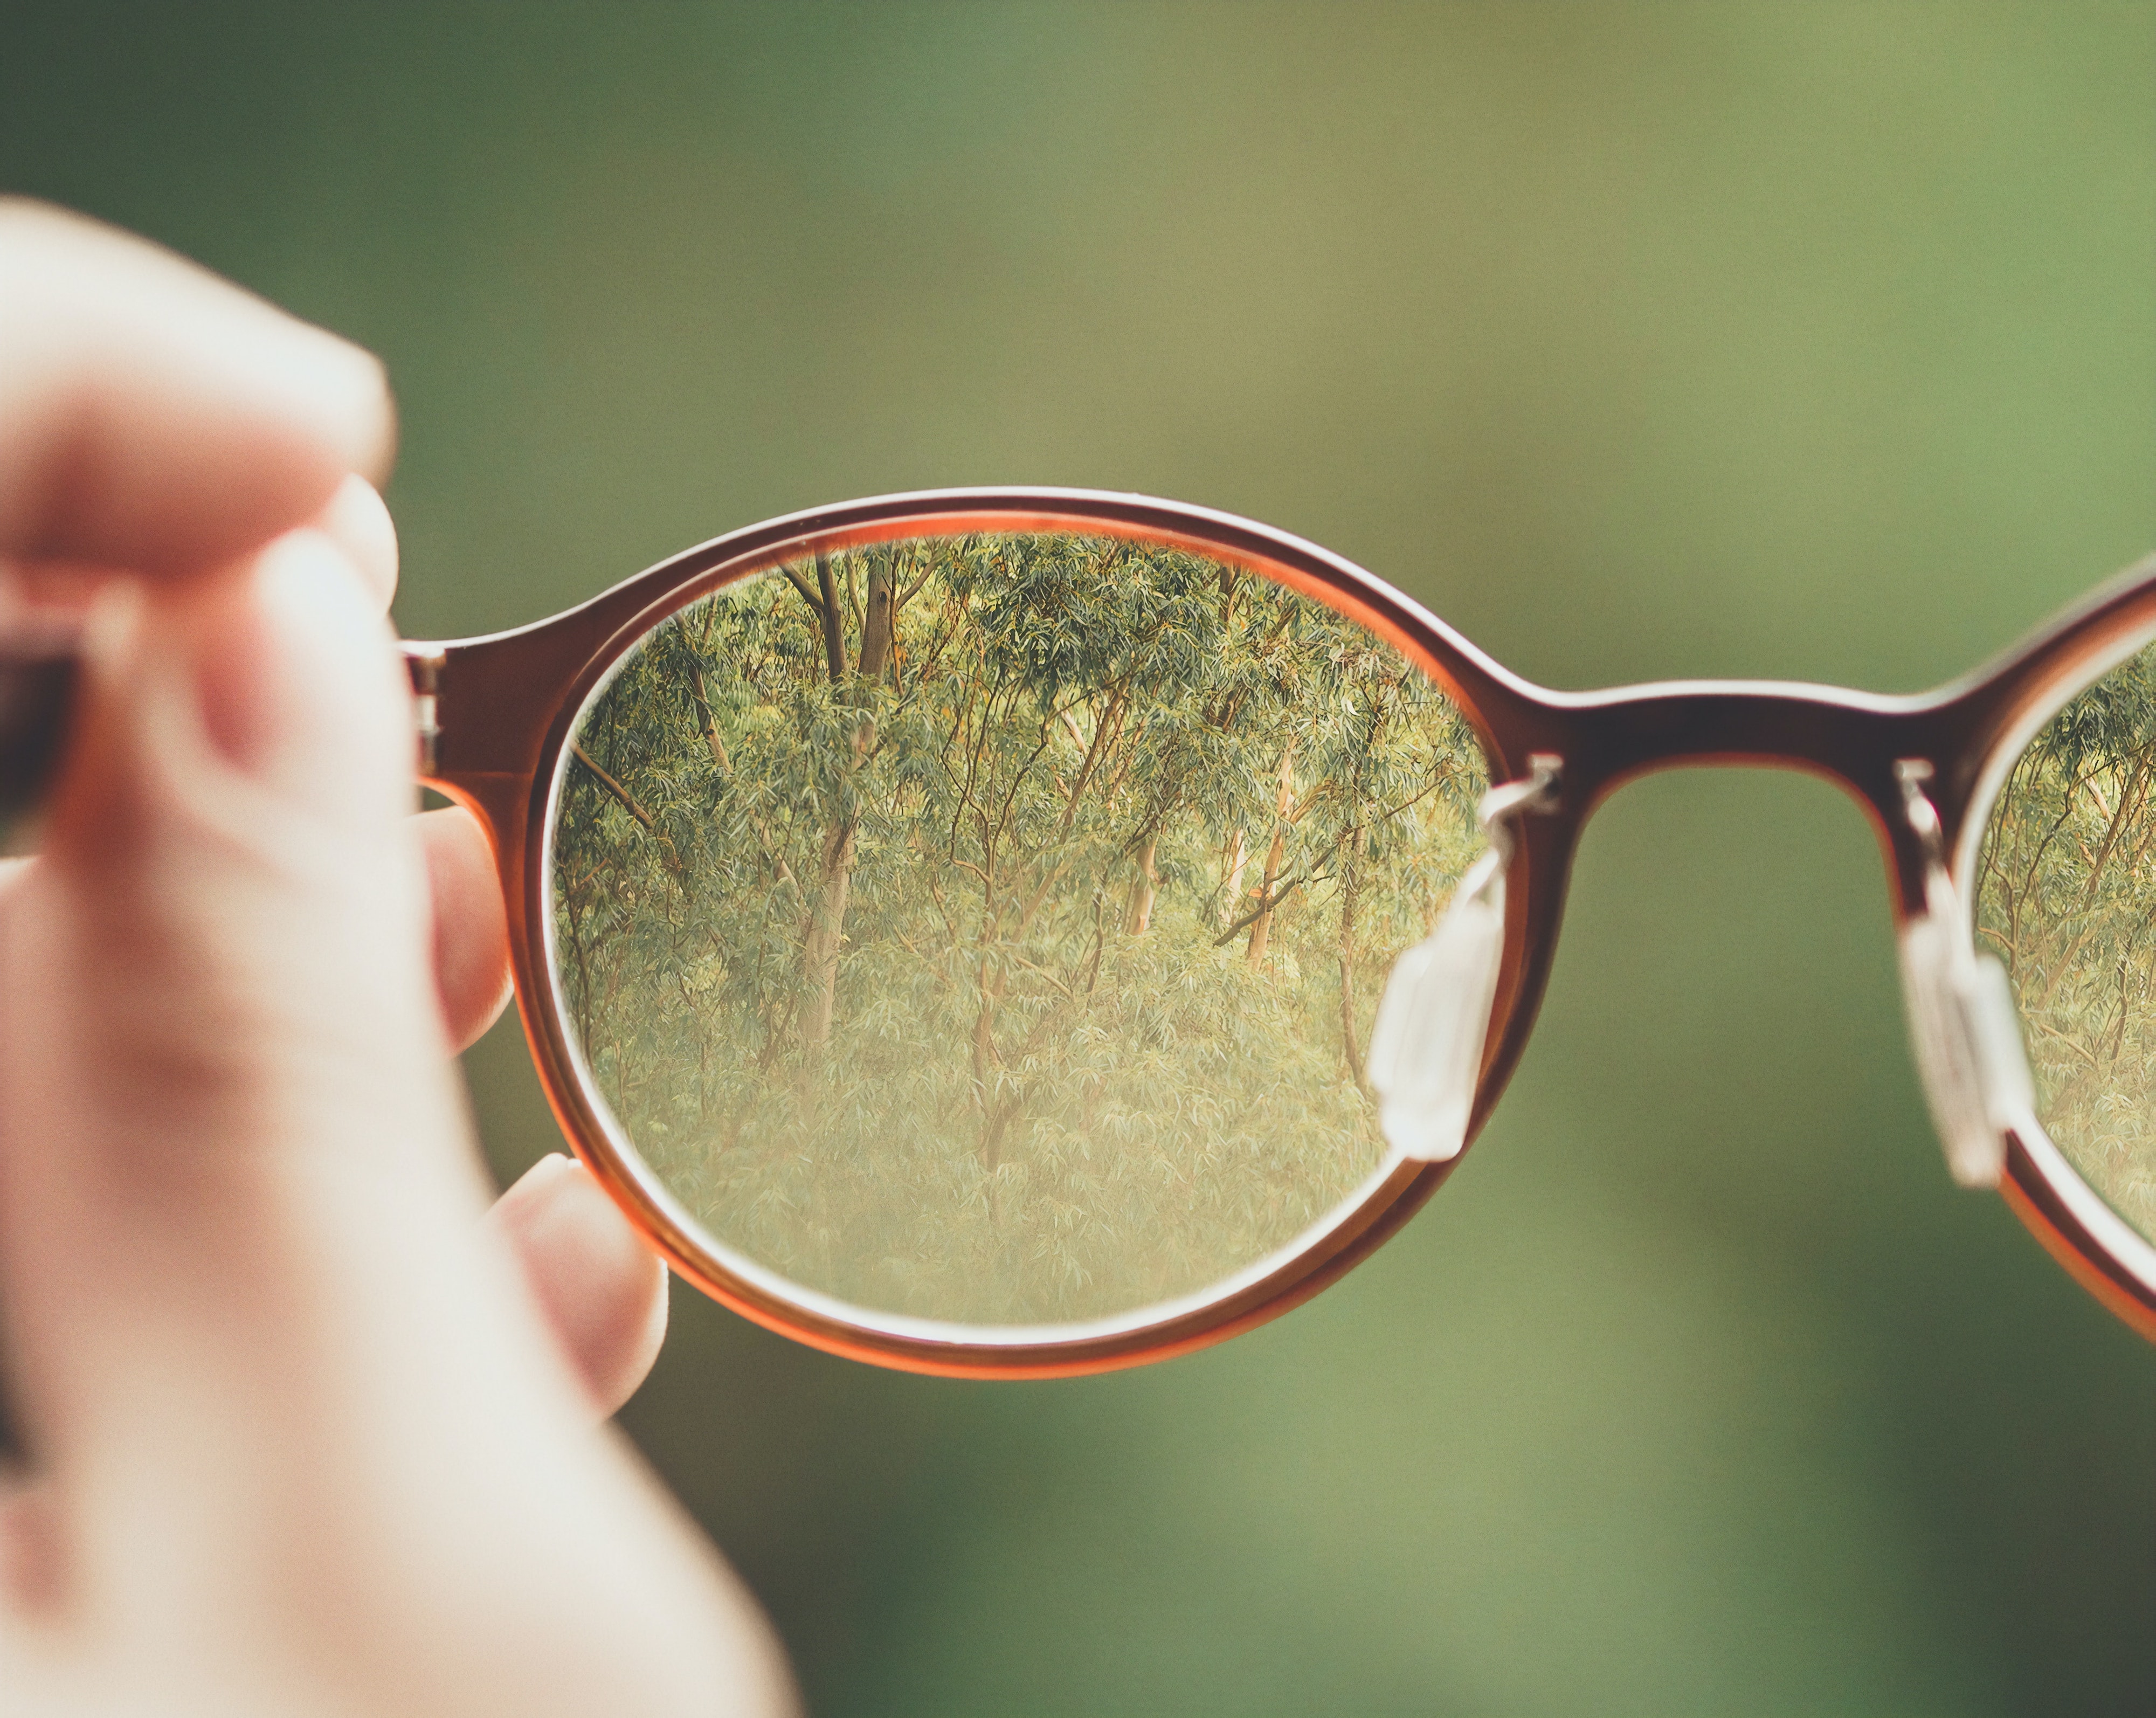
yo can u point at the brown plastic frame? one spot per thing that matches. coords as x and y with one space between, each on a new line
504 706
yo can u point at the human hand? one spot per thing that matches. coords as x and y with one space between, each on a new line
303 1432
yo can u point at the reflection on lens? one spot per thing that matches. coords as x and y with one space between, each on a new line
988 928
2066 898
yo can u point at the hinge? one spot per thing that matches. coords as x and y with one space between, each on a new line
426 664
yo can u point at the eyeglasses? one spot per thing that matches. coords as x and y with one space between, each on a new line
1029 932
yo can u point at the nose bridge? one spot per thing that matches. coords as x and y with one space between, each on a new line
1849 739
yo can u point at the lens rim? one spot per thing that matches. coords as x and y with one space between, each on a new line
505 705
2019 697
497 754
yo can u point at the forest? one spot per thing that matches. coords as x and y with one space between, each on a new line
988 927
2066 898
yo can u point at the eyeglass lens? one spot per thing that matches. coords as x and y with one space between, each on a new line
2065 895
988 928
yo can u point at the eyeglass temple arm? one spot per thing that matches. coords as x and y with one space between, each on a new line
38 676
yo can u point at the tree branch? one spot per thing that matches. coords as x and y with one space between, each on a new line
807 595
672 859
835 624
613 787
1263 908
913 589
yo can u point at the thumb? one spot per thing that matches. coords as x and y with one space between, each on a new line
226 1095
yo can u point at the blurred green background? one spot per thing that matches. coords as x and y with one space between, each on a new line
1805 340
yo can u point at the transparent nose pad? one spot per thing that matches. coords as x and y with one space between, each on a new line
1962 1023
1426 1043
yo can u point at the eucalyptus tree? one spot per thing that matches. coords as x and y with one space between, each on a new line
990 926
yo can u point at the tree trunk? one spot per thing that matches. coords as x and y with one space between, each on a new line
996 1112
584 996
712 743
1231 891
1261 927
1350 893
2129 804
994 1115
827 918
876 626
1139 918
834 624
825 931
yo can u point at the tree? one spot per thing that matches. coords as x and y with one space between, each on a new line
2066 883
908 921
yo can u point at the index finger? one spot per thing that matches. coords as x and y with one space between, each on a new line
156 418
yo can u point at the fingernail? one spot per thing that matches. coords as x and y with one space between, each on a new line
358 522
297 683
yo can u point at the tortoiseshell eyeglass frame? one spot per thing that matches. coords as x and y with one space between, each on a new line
496 715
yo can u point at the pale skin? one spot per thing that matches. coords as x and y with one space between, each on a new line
309 1430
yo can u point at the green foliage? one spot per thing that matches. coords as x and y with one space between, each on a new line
989 928
2066 896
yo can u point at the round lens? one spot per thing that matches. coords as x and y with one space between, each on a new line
988 928
2065 895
